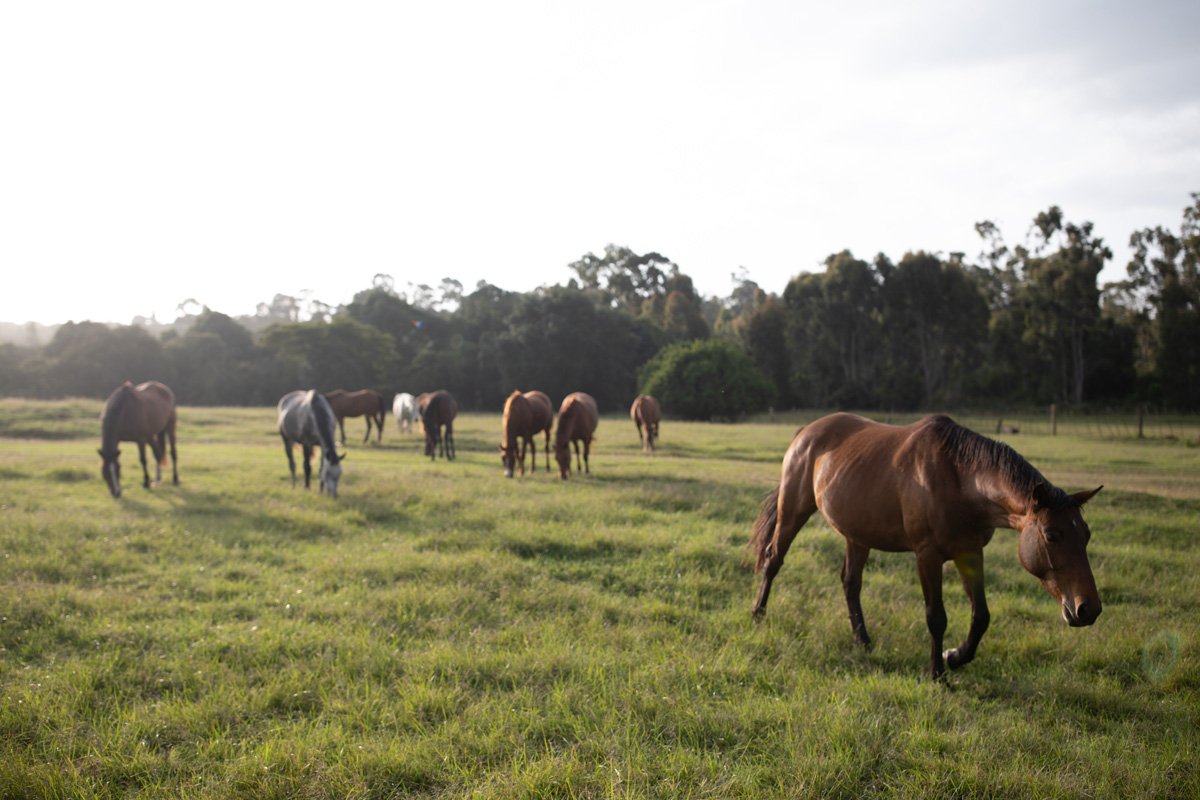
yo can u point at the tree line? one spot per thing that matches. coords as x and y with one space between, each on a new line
1019 324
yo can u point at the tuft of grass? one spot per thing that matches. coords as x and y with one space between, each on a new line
440 631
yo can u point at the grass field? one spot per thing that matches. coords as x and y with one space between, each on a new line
440 631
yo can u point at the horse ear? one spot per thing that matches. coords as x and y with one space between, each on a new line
1041 495
1079 498
101 452
342 457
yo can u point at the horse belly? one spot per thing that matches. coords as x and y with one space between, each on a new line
863 507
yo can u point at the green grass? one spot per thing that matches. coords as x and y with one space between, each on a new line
440 631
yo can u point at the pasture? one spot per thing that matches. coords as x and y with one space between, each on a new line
440 631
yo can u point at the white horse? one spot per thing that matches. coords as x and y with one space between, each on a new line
306 417
405 409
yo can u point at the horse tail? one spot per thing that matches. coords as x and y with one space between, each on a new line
764 528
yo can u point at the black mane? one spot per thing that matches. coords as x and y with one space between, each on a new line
972 452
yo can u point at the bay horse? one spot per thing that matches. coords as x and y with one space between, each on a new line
144 414
645 414
306 417
363 403
935 489
577 421
543 420
526 414
438 410
405 409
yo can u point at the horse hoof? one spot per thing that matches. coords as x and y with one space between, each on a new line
954 659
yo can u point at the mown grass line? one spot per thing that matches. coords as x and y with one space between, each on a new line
442 632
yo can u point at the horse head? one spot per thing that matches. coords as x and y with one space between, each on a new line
1053 548
110 470
331 473
562 454
508 457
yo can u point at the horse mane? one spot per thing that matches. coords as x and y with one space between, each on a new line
971 452
326 425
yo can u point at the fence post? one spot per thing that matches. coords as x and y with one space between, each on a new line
1141 418
1054 419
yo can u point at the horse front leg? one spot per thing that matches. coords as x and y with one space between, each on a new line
852 571
145 470
287 448
970 569
929 568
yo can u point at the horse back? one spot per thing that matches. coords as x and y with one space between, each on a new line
645 410
518 417
886 486
138 413
577 418
540 409
440 408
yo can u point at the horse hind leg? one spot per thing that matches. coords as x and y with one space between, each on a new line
780 519
852 571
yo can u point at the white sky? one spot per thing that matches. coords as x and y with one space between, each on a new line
226 151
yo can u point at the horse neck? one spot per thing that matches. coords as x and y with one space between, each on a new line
325 427
1006 502
119 405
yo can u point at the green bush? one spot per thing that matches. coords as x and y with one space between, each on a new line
704 380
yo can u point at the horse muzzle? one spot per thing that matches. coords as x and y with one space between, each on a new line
1082 615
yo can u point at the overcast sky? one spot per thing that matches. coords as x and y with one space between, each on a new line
227 151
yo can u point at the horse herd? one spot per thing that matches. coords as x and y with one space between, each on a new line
933 488
145 414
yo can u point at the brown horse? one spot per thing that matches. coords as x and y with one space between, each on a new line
525 416
438 410
516 433
645 413
144 414
577 420
543 420
363 403
935 489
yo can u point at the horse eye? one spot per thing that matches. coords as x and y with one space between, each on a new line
1052 534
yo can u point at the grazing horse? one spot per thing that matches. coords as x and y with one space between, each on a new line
363 403
543 420
438 410
306 417
405 409
935 489
144 414
645 414
577 420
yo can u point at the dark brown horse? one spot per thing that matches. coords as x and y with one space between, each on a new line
935 489
645 415
438 410
543 420
577 420
144 414
363 403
